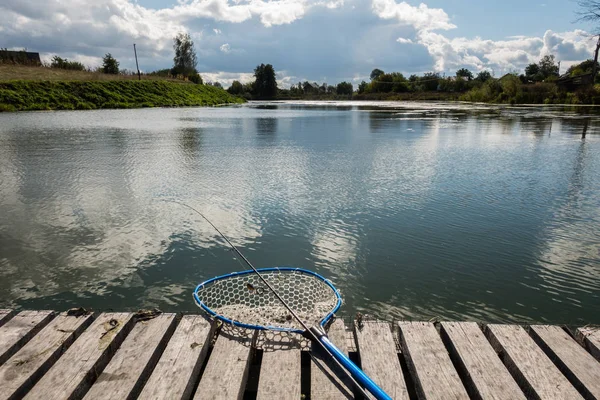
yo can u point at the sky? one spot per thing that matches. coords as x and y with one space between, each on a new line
316 40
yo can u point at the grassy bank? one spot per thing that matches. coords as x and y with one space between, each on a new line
10 72
89 95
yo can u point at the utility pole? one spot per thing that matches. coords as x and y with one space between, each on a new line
136 63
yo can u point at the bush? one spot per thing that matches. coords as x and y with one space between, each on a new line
196 78
63 63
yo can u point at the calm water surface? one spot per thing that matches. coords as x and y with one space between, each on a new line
412 210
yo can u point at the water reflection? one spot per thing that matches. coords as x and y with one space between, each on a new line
266 126
413 210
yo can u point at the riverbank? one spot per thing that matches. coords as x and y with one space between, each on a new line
27 95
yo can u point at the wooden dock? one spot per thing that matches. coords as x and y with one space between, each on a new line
73 355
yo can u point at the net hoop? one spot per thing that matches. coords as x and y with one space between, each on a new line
220 317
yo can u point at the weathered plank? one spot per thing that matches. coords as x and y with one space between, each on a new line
485 375
280 368
534 372
19 330
73 373
27 366
326 379
173 376
429 363
379 357
226 372
130 367
5 315
577 364
590 337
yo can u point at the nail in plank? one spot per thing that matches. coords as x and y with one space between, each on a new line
485 375
73 373
379 357
577 364
28 365
174 375
532 369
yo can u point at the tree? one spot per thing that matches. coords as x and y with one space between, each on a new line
531 71
362 87
589 11
483 76
429 81
110 65
376 73
464 73
585 67
265 85
185 61
548 67
236 88
344 88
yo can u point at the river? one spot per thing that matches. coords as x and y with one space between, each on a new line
413 210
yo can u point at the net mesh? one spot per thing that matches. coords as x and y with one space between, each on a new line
246 299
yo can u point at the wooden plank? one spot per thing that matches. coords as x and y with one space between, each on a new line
226 372
19 330
429 363
326 380
27 366
130 367
590 337
379 357
280 368
534 372
485 375
73 373
174 375
574 362
5 315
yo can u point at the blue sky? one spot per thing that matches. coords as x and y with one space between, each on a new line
316 40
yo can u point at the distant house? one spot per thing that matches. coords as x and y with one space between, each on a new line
573 82
19 57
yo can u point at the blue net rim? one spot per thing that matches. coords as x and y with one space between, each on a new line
324 320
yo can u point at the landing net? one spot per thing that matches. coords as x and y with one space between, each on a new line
243 299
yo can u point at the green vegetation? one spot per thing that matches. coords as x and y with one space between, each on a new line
63 63
69 85
185 60
265 84
110 65
87 95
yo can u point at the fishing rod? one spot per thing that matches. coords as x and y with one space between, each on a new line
307 330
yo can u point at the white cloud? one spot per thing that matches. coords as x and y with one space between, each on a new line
225 48
217 31
227 78
504 55
422 17
404 41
